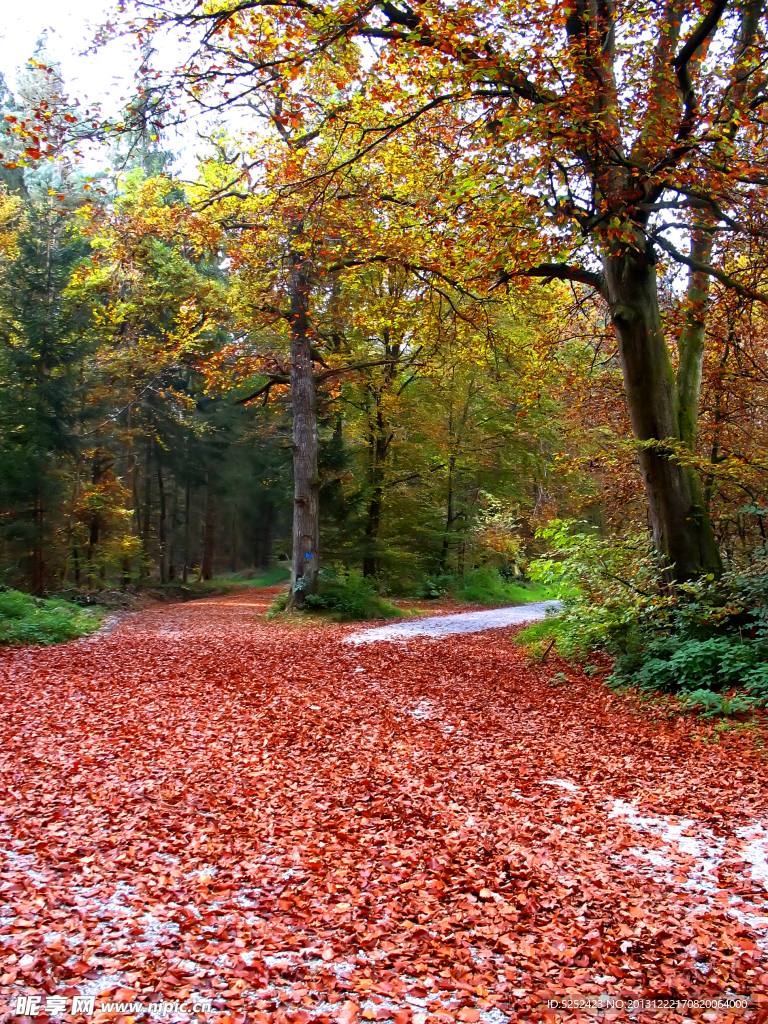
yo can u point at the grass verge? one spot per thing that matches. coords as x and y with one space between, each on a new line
34 620
485 587
227 583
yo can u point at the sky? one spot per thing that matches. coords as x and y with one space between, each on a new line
106 76
69 26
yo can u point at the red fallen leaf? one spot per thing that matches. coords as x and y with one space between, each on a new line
468 1014
333 806
348 1012
326 953
369 1014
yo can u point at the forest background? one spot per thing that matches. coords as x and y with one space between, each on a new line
358 337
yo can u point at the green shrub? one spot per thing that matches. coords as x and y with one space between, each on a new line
279 604
433 587
712 704
346 595
696 640
32 620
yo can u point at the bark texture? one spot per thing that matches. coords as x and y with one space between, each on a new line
681 526
306 481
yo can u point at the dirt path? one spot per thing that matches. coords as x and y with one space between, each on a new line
201 805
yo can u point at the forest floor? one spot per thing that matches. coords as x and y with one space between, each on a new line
203 804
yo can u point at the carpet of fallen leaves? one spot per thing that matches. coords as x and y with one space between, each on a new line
202 802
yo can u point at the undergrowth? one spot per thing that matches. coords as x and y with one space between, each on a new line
344 595
484 586
227 582
704 642
33 620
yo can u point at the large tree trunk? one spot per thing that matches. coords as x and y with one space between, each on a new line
306 481
681 526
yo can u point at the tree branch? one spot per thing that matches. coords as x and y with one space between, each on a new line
278 378
707 268
681 62
560 271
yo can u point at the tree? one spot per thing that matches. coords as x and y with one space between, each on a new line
293 253
588 143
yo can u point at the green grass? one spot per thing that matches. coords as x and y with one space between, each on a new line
227 583
486 586
539 636
32 620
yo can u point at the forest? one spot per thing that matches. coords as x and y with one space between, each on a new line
419 322
383 509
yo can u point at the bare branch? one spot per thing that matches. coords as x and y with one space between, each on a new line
707 268
559 271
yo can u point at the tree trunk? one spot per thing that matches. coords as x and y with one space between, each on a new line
163 565
130 486
267 519
681 527
147 516
170 558
378 446
187 503
449 517
38 549
306 481
94 534
206 566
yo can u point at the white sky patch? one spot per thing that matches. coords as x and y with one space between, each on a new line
69 29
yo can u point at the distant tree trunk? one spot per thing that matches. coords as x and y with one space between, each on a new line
147 517
161 531
448 517
97 476
172 532
235 562
206 566
267 520
681 525
306 481
71 525
187 503
38 546
130 486
377 447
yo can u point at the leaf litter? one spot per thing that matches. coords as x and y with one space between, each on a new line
204 803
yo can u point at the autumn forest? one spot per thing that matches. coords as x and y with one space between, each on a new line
440 313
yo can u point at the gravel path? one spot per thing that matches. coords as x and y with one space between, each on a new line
464 622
